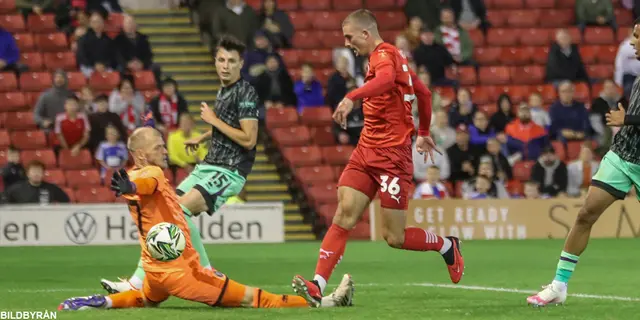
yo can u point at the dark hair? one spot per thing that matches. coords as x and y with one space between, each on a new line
101 97
533 182
127 78
502 97
73 97
168 81
231 43
12 148
35 163
637 21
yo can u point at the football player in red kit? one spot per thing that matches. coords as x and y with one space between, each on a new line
382 161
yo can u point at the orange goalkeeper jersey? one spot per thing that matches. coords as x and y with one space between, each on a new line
155 201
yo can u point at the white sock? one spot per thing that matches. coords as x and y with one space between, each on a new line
136 282
559 285
322 283
109 303
446 245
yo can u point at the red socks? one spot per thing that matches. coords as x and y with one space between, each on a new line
331 250
416 239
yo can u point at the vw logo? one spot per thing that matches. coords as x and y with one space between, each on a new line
80 227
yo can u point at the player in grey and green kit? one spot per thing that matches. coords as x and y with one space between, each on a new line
619 171
231 155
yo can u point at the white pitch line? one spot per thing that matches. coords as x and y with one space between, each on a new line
424 284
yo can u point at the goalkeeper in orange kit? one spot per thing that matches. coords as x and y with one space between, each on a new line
151 201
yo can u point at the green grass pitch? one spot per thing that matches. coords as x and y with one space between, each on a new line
390 284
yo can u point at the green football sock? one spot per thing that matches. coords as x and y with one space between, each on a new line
566 266
196 242
138 276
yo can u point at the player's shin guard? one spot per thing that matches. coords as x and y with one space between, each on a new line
264 299
127 299
416 239
331 251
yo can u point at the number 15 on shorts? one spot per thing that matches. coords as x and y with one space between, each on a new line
391 187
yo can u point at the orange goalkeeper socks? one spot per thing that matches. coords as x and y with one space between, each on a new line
264 299
127 299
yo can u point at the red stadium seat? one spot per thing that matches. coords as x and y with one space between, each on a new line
76 80
489 109
332 39
55 176
26 140
548 92
540 4
3 156
4 140
576 35
95 195
291 58
8 82
181 174
323 136
7 6
144 80
600 71
316 116
560 150
46 156
20 120
281 117
326 212
598 35
517 93
494 75
300 20
322 194
557 18
337 171
568 4
502 37
31 98
539 55
506 4
315 174
515 187
445 92
52 42
104 81
574 148
24 41
479 94
13 101
35 81
82 178
318 58
467 76
516 56
60 60
337 155
288 5
42 23
302 156
522 170
497 18
535 37
167 174
523 18
390 20
83 160
323 75
291 136
487 55
329 20
306 40
255 4
315 5
389 35
582 92
624 17
13 23
477 36
114 21
607 54
70 193
532 74
379 4
345 4
589 54
33 60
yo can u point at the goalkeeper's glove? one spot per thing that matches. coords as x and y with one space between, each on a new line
121 184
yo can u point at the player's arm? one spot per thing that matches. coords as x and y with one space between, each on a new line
383 81
423 94
247 135
145 184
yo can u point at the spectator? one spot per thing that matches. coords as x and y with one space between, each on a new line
101 119
168 106
362 73
236 19
608 100
627 66
431 188
539 114
112 153
427 10
443 135
481 189
51 102
178 156
496 188
9 52
550 173
37 7
96 51
412 32
128 103
404 47
308 90
355 122
72 127
274 86
337 84
580 172
13 171
470 14
595 13
133 49
104 7
525 139
255 59
532 191
461 156
435 58
87 98
454 38
277 24
69 16
504 115
564 61
480 131
569 118
501 165
437 101
34 189
463 109
420 166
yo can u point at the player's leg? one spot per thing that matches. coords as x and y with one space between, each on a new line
609 184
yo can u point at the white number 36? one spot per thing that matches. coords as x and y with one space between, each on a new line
392 187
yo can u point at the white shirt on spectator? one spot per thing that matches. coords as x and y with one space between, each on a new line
626 62
428 191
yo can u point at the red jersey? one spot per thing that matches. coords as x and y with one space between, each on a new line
388 120
72 129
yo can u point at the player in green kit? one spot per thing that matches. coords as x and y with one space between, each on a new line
619 171
231 155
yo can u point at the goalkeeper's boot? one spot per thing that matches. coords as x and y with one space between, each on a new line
342 296
84 303
309 290
552 294
117 286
